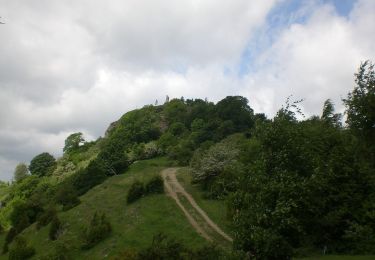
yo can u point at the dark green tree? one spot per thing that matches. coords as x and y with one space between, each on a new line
329 116
67 196
136 191
55 228
73 142
236 109
360 104
155 185
42 164
12 233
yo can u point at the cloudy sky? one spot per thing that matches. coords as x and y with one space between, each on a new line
77 65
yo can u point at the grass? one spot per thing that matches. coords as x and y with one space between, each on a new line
215 209
133 225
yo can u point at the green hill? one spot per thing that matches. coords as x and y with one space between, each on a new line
133 225
236 185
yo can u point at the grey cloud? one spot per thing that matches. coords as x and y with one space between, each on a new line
69 66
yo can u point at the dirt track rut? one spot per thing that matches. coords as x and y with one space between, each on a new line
174 188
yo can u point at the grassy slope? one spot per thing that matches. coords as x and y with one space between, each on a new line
133 225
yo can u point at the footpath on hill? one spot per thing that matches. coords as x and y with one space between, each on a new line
195 215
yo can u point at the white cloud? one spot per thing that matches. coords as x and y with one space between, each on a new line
79 65
316 60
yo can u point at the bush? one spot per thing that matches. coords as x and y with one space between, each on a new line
20 250
55 228
67 196
99 229
12 233
135 192
60 252
162 248
45 218
155 185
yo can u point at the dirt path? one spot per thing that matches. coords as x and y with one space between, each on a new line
173 188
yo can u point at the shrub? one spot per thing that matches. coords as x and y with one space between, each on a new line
20 250
55 228
99 229
45 218
67 196
135 192
162 248
12 233
155 185
60 252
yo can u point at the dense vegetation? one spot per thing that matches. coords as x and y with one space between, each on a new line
292 185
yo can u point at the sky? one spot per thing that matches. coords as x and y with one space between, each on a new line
78 65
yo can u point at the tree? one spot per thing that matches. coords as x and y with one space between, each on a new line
360 103
55 228
73 141
328 114
20 172
42 164
236 108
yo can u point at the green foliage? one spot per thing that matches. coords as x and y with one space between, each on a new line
61 251
155 185
307 180
12 233
138 126
85 179
209 166
45 218
236 109
67 196
175 111
24 213
42 164
20 172
360 102
99 229
329 116
55 228
73 142
20 250
163 248
135 192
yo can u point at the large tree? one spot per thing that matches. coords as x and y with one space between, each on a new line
73 141
360 103
236 109
42 164
20 172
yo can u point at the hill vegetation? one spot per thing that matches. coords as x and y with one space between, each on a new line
291 186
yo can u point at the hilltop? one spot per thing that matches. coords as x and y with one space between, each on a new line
191 179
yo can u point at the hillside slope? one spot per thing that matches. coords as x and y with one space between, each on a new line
133 225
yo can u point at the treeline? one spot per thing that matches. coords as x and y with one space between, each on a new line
296 187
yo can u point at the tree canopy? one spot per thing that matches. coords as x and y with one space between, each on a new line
42 164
